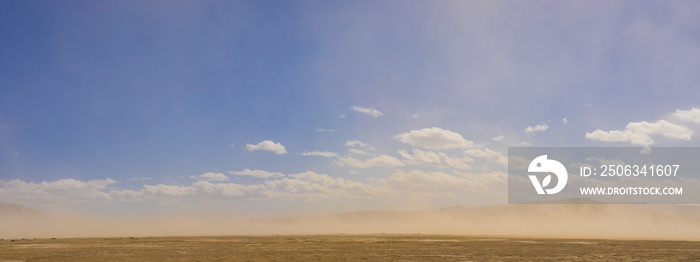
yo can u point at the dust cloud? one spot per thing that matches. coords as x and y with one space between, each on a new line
596 221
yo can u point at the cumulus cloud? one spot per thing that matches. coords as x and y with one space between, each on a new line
537 128
415 116
620 136
498 138
267 145
381 160
229 190
126 195
211 177
310 186
357 143
430 158
662 127
302 186
59 191
370 111
488 154
434 138
692 115
639 133
307 186
564 121
143 178
355 151
256 173
168 190
319 153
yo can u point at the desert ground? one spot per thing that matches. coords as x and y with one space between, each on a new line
382 247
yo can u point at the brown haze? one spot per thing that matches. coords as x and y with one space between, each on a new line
673 222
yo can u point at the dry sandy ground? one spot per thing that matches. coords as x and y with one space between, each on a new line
344 248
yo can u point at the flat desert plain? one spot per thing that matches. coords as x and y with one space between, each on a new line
383 247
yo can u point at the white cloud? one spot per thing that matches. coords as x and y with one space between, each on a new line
439 183
498 138
256 173
415 116
692 115
605 161
211 177
355 151
639 133
358 143
429 158
167 190
231 190
143 178
488 154
381 160
126 195
662 127
370 111
267 145
537 128
434 138
525 143
564 121
320 153
620 136
311 186
323 130
305 186
59 191
518 162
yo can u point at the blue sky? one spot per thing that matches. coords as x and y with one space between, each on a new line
143 105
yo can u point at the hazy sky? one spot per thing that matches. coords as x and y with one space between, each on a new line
264 108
